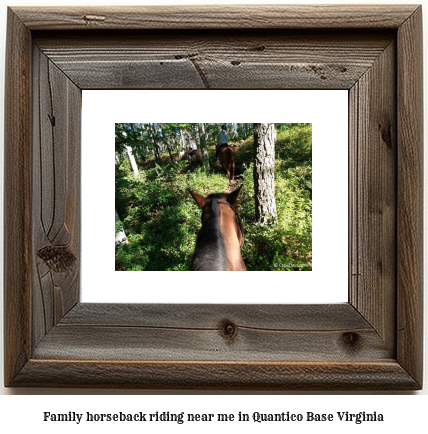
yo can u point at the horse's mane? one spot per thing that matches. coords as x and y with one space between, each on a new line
209 252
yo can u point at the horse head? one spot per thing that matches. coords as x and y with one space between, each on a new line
221 237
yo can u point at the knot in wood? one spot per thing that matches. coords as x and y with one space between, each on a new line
89 18
386 134
351 340
228 330
58 259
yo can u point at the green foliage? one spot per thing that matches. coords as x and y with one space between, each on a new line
294 145
161 217
161 220
286 245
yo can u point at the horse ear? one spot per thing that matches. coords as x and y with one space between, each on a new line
233 197
200 200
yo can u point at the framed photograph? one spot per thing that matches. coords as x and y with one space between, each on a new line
161 225
371 341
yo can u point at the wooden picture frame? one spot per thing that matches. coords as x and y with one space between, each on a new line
372 342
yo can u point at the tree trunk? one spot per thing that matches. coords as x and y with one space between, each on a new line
168 146
176 142
132 160
155 143
120 233
166 141
182 140
248 130
264 178
234 131
130 154
140 131
203 141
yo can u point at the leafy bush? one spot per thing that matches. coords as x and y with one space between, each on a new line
286 245
161 217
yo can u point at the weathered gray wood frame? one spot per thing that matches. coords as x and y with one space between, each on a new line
372 342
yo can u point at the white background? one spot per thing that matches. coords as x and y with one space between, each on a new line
326 110
403 413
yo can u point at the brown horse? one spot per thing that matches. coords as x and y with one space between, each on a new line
196 158
227 159
221 237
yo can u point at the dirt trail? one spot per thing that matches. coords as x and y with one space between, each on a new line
232 186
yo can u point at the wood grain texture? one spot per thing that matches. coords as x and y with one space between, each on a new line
386 375
217 17
373 179
197 332
209 316
216 60
55 194
17 198
372 342
410 196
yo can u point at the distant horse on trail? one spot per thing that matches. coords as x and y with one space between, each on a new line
226 156
195 158
221 237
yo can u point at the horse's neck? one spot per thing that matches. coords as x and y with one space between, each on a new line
209 252
218 246
209 256
231 240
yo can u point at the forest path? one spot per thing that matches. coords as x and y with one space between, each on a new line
231 186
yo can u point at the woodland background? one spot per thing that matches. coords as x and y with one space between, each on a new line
160 220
